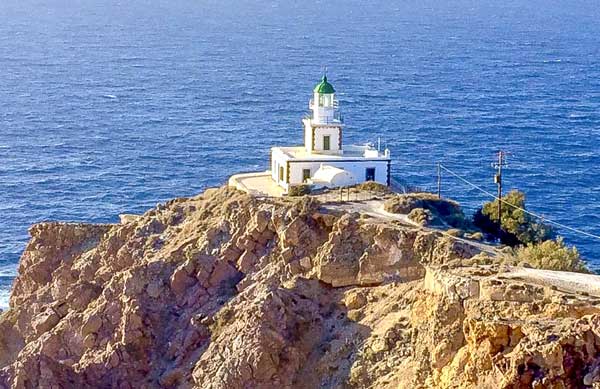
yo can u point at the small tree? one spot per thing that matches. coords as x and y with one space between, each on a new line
518 227
553 255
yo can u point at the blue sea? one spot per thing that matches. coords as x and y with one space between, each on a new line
110 107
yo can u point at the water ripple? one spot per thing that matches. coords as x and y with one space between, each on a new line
123 105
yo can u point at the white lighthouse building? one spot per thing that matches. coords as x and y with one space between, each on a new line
324 160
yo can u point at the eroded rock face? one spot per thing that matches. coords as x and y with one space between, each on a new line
506 334
223 291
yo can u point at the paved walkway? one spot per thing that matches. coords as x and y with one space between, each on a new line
256 184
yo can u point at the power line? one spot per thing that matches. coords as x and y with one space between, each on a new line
519 208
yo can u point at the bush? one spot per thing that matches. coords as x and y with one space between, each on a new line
420 216
517 226
373 186
299 190
404 203
442 211
552 255
478 236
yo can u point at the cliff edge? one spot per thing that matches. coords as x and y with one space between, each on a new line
225 290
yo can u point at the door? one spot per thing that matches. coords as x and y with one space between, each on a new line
370 174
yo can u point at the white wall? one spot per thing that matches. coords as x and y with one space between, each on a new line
296 170
356 168
334 139
307 135
279 159
320 132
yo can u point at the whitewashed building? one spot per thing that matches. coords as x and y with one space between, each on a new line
324 160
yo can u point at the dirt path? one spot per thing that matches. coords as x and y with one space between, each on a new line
374 208
565 281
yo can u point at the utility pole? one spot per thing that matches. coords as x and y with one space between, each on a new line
439 180
498 180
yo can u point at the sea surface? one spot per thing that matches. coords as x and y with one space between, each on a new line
110 107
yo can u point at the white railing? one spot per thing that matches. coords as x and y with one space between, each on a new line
338 118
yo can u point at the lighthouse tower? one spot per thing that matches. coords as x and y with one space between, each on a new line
323 128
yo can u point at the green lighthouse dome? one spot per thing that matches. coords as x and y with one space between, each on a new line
324 87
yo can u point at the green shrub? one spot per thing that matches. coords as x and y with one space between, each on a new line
551 255
298 190
518 227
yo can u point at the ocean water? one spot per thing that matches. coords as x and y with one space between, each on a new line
110 106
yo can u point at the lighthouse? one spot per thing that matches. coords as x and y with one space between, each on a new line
324 160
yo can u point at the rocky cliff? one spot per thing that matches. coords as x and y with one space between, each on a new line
224 290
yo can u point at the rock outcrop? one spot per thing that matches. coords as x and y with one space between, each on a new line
224 290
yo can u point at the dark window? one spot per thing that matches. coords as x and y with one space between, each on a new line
305 175
280 173
326 142
370 174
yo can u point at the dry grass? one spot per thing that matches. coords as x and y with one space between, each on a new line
372 186
298 190
443 211
420 216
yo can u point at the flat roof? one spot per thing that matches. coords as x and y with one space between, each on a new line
354 152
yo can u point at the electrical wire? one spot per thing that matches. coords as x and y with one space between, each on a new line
519 208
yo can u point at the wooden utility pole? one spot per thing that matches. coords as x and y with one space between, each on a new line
439 180
498 180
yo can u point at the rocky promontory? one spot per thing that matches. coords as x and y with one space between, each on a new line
225 290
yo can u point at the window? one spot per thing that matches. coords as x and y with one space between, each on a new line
370 174
326 142
281 173
305 175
